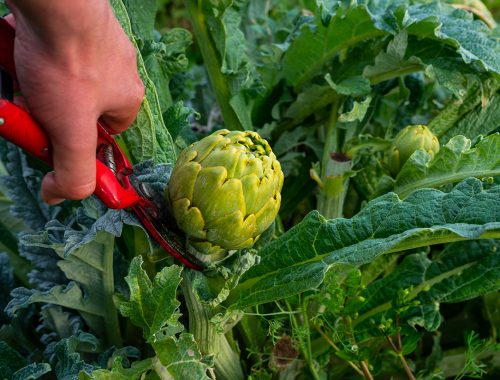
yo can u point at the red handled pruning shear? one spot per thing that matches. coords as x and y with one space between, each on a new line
116 186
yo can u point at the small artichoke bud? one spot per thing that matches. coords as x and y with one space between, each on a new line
407 141
224 192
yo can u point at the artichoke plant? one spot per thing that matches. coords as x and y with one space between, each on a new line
224 191
407 141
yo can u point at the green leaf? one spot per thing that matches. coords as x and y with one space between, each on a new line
163 59
475 113
392 62
10 361
212 288
143 20
470 37
453 163
22 186
3 8
32 371
460 272
69 362
357 112
316 44
9 225
481 121
178 119
354 86
91 290
152 305
492 312
163 56
117 372
181 357
225 27
216 26
298 260
147 138
6 284
311 99
289 147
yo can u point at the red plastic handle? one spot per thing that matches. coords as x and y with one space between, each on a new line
18 127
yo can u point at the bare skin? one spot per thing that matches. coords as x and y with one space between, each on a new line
74 65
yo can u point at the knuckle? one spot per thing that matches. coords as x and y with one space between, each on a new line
137 95
131 52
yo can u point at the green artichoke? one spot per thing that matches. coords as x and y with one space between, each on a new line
224 192
407 141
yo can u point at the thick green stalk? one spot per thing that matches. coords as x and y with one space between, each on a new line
111 313
331 138
334 177
210 340
160 370
220 84
336 183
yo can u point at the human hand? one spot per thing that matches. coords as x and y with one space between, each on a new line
74 65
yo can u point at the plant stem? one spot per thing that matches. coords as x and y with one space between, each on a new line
334 186
160 370
334 180
406 367
213 65
331 137
210 340
398 349
308 341
306 346
111 313
336 348
366 371
395 73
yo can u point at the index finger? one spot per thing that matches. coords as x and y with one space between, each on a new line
74 162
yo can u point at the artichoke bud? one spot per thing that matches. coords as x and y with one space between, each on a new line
407 141
224 192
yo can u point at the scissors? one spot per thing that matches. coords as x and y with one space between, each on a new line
116 185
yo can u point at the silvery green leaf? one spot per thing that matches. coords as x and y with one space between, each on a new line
316 44
148 137
454 162
460 272
354 86
32 371
181 357
298 260
152 305
91 288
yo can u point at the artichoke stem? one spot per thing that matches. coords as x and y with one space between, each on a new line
210 340
332 194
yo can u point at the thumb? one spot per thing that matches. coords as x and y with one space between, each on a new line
74 162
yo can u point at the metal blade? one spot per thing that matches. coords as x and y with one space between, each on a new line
6 85
154 215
